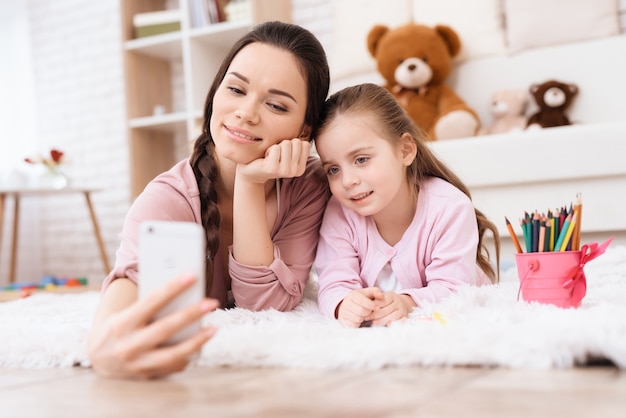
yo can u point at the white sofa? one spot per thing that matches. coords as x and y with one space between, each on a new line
536 169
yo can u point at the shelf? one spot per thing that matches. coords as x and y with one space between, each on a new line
171 122
166 46
220 34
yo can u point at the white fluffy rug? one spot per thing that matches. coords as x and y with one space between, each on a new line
479 326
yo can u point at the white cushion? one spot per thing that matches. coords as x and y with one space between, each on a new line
538 23
351 22
479 23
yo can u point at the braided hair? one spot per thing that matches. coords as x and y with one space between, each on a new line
312 64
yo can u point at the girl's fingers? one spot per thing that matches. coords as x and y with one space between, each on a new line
373 293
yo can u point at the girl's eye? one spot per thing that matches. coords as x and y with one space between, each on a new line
361 160
332 171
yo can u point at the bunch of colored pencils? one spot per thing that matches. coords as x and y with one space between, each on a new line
554 231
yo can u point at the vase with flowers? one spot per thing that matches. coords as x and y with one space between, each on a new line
52 177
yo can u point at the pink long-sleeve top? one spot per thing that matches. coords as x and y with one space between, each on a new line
174 196
436 254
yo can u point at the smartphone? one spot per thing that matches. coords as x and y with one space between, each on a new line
166 250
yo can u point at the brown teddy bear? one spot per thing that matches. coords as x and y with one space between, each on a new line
415 61
508 108
553 98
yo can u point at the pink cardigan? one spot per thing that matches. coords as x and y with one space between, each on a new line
435 256
174 196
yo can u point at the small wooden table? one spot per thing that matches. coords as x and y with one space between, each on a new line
17 193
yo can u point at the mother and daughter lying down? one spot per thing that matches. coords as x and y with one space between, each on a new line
384 223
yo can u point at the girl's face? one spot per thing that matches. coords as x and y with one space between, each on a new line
260 102
366 172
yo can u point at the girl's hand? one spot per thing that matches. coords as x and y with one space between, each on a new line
358 306
392 308
283 160
126 344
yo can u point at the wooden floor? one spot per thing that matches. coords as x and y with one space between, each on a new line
395 392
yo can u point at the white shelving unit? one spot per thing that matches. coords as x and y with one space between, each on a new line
161 120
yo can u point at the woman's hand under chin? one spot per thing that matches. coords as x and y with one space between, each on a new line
286 159
125 344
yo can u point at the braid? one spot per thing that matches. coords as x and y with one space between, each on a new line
205 169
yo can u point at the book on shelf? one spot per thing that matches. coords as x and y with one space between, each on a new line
238 10
205 12
156 23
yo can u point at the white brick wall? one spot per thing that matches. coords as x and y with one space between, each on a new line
314 15
76 48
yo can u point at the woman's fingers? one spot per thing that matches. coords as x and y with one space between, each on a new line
145 309
171 359
294 155
288 158
154 334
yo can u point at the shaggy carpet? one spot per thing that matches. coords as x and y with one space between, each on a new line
478 326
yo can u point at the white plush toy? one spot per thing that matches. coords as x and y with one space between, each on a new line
508 108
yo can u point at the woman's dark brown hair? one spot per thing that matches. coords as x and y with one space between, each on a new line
394 122
313 65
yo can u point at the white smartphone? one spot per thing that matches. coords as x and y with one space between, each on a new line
166 250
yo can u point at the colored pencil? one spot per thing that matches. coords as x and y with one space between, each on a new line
551 226
578 209
542 236
568 233
535 224
524 226
518 248
546 244
559 241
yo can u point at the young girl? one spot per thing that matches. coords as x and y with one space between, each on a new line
252 185
401 227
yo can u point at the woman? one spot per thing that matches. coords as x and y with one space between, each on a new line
252 185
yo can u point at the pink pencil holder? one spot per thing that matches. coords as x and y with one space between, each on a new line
556 278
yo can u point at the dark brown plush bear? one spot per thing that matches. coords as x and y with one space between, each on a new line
553 98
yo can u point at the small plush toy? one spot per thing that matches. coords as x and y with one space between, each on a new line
415 61
508 108
553 98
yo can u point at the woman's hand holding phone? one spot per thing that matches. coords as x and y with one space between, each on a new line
155 330
128 344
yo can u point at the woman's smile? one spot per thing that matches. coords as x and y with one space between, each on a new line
241 136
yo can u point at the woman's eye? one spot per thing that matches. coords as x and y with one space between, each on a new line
235 90
361 160
278 107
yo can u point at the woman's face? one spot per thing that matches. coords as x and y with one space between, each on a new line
261 101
